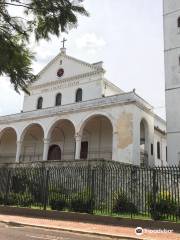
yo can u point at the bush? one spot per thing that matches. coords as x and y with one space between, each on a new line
164 205
103 206
20 199
2 197
123 205
82 203
58 204
58 201
19 183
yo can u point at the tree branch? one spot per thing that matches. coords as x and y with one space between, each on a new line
17 5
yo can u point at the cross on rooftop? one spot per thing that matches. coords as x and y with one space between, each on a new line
63 41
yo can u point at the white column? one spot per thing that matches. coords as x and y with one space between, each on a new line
18 150
115 147
46 149
78 138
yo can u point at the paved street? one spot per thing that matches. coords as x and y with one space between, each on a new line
20 232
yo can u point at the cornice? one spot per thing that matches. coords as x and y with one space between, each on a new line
112 85
120 99
65 80
160 130
92 66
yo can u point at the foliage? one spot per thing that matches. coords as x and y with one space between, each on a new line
58 201
58 204
35 181
19 183
29 181
77 202
2 197
20 199
122 204
42 18
103 206
162 205
82 202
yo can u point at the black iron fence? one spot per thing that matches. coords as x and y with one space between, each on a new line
107 188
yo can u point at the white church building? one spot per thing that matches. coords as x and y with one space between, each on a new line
74 112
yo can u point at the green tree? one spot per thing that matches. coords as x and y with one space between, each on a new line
43 18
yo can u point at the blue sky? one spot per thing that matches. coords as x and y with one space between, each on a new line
126 34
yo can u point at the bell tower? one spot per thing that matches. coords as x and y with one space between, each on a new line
172 77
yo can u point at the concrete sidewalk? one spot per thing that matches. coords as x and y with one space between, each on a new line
106 230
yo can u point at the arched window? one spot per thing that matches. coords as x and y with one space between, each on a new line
58 99
158 150
178 22
79 95
39 103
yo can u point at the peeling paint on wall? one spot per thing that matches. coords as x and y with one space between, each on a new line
125 130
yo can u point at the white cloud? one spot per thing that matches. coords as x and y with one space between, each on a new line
90 41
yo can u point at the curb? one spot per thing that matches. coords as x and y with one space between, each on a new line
113 236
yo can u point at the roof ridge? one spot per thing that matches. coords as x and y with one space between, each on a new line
82 62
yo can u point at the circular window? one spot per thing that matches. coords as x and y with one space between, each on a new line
60 72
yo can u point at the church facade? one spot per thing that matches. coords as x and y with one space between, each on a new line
74 112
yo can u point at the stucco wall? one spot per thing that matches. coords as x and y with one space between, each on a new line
161 138
91 88
123 139
172 76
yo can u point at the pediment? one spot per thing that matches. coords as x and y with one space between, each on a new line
69 67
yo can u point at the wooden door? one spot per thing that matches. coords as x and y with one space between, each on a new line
84 150
54 153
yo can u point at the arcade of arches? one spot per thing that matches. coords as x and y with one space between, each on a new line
8 138
93 141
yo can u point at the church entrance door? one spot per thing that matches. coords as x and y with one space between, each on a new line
84 150
54 153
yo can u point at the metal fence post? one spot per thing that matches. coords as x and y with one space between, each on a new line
154 192
92 190
103 188
131 190
7 187
45 199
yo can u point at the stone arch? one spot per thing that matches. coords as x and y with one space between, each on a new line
8 145
32 138
25 129
144 142
92 115
8 127
98 129
62 133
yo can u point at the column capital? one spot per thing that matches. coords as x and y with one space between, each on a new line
19 142
78 136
